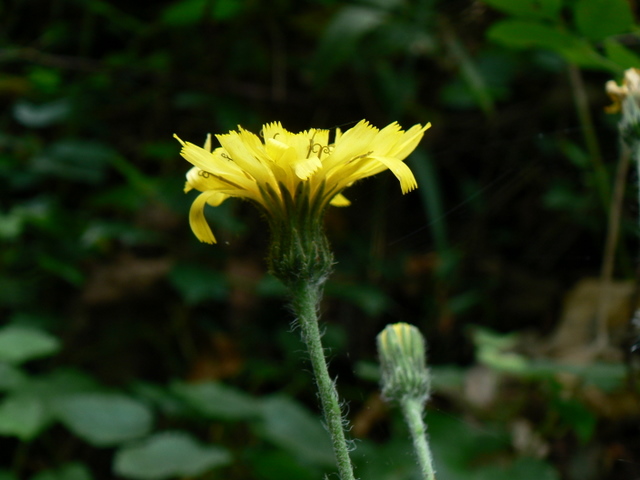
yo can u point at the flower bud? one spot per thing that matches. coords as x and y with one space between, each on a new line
404 372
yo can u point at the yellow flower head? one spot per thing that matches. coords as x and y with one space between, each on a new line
280 166
630 87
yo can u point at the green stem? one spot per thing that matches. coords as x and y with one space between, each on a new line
412 409
305 299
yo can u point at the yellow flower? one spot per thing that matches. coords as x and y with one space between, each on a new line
630 87
282 166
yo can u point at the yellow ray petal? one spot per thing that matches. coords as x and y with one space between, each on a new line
241 152
400 170
197 220
409 141
340 201
305 167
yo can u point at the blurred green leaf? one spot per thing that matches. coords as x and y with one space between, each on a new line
116 16
189 12
11 377
197 283
39 116
185 12
44 79
23 416
621 55
599 19
459 445
71 471
218 401
277 464
104 419
77 160
293 428
528 34
528 8
393 460
61 268
370 299
100 232
6 475
270 287
523 468
577 415
605 376
522 34
11 224
60 381
19 344
161 398
168 455
342 36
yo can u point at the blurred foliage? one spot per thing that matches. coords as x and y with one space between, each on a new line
128 350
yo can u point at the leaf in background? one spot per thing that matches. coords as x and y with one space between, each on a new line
104 419
168 455
370 299
11 377
6 475
218 401
276 465
61 268
70 471
11 224
197 283
621 55
524 468
189 12
19 344
577 415
393 460
76 160
527 34
604 376
528 8
342 35
23 416
599 19
59 382
161 398
522 34
457 444
39 116
293 428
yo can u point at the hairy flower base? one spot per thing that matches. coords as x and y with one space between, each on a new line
299 251
284 167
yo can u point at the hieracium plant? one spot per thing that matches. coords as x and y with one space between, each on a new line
405 380
292 178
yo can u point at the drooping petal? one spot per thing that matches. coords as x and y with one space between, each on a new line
197 220
373 165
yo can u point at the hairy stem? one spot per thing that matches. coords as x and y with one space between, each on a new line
412 409
305 299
